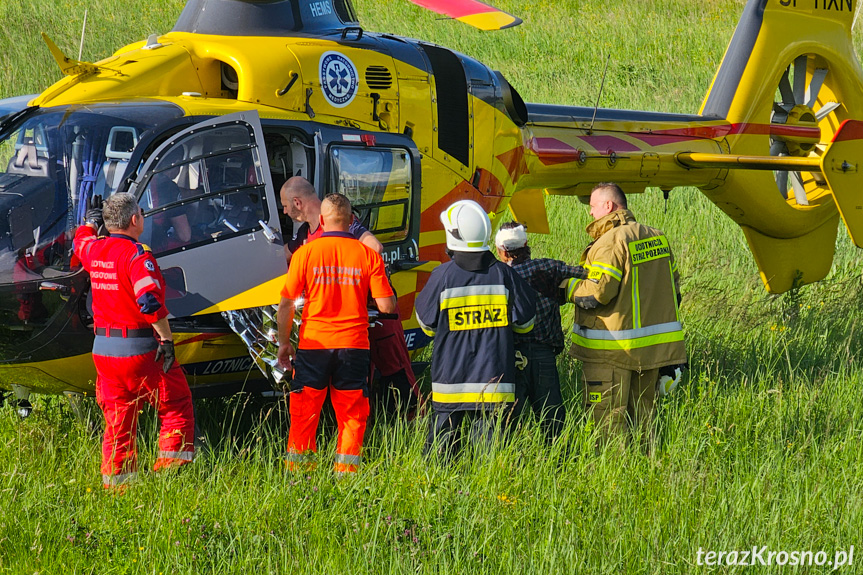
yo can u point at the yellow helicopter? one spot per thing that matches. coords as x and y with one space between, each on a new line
243 94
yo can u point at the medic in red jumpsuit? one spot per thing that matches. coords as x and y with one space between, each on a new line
132 365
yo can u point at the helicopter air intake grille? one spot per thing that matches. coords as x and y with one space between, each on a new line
378 78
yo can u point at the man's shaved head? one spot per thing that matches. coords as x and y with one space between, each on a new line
605 198
298 187
611 191
336 215
296 193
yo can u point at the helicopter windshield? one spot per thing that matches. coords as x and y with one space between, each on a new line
51 163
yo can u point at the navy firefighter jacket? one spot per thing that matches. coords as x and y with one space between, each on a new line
473 314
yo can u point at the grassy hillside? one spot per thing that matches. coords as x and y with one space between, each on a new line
759 448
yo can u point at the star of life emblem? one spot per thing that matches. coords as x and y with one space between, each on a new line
339 79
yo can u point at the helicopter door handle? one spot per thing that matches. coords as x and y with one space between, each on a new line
54 286
269 233
287 88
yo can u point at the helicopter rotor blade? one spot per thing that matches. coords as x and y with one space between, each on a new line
825 110
815 86
779 114
782 182
778 148
799 79
785 88
472 12
799 190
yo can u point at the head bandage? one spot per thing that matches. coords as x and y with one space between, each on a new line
511 239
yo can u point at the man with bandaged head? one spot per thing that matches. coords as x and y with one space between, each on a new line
537 380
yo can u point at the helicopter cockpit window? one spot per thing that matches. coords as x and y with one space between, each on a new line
378 183
52 160
207 187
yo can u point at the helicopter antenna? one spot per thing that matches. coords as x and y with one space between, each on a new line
83 29
598 96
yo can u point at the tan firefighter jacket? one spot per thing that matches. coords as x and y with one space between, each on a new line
626 310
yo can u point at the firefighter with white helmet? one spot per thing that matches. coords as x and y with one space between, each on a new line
472 306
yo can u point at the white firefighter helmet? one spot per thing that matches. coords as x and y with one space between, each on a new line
467 225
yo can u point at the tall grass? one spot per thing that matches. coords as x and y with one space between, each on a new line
760 446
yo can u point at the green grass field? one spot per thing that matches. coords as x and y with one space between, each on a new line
760 447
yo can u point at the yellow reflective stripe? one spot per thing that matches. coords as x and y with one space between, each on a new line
524 327
426 329
473 397
674 292
625 344
598 268
473 387
570 287
636 300
468 300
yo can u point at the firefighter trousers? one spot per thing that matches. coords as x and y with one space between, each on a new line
123 386
620 399
488 424
538 384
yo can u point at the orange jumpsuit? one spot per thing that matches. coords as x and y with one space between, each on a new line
336 273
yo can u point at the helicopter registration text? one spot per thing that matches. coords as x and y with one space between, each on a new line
839 5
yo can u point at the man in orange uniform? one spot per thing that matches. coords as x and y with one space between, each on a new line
336 273
389 353
128 307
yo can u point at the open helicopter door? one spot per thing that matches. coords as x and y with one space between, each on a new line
211 217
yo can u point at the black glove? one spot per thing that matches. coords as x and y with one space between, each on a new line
166 350
94 212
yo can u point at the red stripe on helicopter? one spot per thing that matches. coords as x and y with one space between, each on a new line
406 302
675 135
430 218
551 151
456 8
514 162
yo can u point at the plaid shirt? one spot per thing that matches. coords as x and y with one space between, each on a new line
545 276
